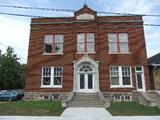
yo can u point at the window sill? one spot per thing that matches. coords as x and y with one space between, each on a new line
85 52
121 87
120 53
52 54
51 87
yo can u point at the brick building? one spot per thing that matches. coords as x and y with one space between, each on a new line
86 53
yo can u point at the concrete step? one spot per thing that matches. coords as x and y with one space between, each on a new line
77 105
86 100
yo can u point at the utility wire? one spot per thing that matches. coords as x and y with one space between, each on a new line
22 15
37 8
69 10
35 16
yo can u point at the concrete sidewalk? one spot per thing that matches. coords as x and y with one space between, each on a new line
80 118
86 112
82 114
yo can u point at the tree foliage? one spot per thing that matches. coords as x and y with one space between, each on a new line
12 72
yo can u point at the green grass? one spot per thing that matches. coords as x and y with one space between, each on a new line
132 109
31 108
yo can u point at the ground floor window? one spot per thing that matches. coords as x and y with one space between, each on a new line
52 76
120 76
140 78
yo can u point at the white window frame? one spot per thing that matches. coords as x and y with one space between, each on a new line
121 78
46 76
53 44
143 78
52 79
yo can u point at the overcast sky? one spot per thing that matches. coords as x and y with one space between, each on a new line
14 31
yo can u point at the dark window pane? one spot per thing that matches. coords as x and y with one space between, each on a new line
48 48
139 80
46 81
90 81
126 81
81 81
139 68
57 80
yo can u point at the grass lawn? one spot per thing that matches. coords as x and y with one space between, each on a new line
131 109
31 108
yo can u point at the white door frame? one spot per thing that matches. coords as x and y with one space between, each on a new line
143 79
86 89
93 64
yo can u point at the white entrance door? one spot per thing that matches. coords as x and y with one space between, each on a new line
86 82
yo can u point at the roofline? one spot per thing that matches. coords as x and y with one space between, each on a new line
97 16
154 64
100 21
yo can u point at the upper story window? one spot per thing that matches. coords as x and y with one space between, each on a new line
85 42
118 42
120 76
53 44
52 76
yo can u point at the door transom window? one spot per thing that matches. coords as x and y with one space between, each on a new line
85 69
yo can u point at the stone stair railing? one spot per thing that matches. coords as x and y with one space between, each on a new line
155 96
103 99
142 98
69 98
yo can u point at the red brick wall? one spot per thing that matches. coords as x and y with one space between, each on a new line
36 59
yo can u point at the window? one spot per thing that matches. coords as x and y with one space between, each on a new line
118 42
57 76
114 76
85 42
120 76
140 78
54 43
46 76
126 77
52 76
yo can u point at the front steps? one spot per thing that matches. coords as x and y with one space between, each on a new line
85 100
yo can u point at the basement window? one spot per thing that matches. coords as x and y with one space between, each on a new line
46 97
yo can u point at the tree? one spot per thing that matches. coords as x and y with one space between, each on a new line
12 73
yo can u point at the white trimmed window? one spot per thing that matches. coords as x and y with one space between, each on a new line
46 76
85 42
120 76
118 42
139 71
52 76
53 44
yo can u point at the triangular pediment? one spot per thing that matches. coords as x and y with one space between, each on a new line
85 13
86 59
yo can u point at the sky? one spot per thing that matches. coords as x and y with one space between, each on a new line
14 30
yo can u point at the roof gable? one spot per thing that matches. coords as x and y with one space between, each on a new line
154 59
85 13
